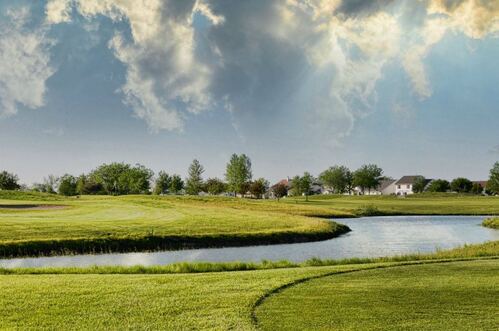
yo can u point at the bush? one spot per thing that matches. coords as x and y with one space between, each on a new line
67 185
9 181
369 211
461 185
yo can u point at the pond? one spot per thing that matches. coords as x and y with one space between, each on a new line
370 237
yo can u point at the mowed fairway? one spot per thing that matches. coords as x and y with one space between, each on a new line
418 204
448 296
137 222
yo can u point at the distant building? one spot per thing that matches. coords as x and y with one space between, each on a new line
386 187
405 185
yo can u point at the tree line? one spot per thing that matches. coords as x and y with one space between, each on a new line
122 178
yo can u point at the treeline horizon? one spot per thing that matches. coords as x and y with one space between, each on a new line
120 178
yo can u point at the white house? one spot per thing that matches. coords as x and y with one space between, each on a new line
405 185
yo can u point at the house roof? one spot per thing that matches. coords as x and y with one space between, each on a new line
406 180
383 184
482 183
284 182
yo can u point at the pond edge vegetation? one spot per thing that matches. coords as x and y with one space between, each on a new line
487 250
151 242
492 223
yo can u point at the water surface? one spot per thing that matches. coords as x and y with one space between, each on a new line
370 237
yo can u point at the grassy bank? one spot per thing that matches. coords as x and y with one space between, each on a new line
145 223
242 300
491 223
452 296
485 250
419 204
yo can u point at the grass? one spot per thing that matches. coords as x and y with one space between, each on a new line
419 204
241 300
484 250
451 296
141 223
95 224
491 223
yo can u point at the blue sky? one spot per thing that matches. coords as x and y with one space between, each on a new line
298 86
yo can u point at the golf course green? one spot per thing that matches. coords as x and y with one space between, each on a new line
455 289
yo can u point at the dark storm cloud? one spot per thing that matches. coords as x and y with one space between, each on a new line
362 7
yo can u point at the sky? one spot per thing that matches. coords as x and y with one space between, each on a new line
297 85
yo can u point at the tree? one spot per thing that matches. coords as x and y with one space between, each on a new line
259 187
176 185
419 184
9 181
163 183
476 189
493 183
461 185
194 183
67 185
86 185
439 185
367 177
49 185
215 186
302 185
121 178
280 190
238 173
338 178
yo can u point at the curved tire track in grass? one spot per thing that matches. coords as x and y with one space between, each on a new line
286 286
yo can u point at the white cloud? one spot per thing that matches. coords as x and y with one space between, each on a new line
58 11
24 63
332 53
164 81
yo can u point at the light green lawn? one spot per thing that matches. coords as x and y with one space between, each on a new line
451 296
419 204
463 293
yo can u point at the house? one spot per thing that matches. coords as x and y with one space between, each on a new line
405 185
286 182
386 187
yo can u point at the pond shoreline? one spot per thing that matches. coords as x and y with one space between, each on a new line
371 237
153 243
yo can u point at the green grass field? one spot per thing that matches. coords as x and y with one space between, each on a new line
138 223
246 300
449 296
141 223
454 289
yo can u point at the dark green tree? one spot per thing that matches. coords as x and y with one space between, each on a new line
215 186
163 183
419 184
259 187
493 183
461 185
280 190
367 177
302 185
476 189
121 178
439 185
176 185
238 174
67 185
337 178
9 181
194 183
